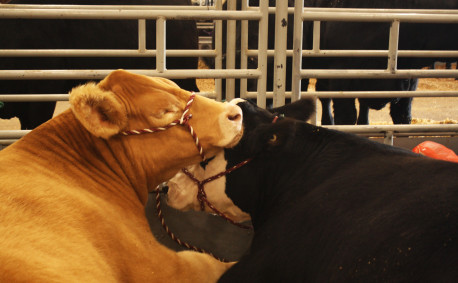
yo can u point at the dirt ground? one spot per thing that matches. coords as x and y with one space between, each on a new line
424 110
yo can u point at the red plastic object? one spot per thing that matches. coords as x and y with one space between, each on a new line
436 150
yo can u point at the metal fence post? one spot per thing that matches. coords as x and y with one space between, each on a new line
393 47
219 51
297 51
281 32
262 52
243 50
231 50
160 45
142 35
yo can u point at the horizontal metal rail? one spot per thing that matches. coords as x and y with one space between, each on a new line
100 74
126 14
363 94
377 74
106 7
417 130
33 97
212 53
253 95
8 137
368 10
364 53
373 16
102 53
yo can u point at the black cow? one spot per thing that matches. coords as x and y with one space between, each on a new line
338 35
361 35
329 206
83 34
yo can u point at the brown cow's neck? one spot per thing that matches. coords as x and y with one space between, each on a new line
65 147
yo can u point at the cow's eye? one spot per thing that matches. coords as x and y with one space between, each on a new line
168 111
273 138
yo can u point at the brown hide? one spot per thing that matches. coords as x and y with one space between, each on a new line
72 192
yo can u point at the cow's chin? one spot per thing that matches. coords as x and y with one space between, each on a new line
179 199
233 212
234 139
185 201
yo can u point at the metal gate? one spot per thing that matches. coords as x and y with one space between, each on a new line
163 13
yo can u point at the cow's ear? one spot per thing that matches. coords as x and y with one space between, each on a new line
271 138
98 110
300 110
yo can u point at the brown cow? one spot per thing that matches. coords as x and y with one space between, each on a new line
73 191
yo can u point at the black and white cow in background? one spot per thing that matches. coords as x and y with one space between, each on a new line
361 35
329 206
82 34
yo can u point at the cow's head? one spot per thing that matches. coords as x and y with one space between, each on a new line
125 101
182 193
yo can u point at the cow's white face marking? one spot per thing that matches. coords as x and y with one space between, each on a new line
182 194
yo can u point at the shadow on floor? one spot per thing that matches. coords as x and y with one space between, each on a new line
205 231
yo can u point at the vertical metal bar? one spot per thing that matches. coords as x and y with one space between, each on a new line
281 31
160 45
262 52
218 34
316 36
393 47
316 48
388 139
243 50
297 51
230 50
141 35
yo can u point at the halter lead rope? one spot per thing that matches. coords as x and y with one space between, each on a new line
184 120
172 235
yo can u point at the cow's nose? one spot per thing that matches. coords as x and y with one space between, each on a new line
234 113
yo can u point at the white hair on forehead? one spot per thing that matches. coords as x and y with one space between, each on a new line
235 101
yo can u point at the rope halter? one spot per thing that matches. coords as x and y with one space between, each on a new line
184 120
202 196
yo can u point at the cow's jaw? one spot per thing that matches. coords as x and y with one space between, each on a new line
230 122
182 193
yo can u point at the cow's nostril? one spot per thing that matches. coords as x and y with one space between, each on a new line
235 117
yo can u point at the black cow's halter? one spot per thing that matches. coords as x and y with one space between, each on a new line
202 195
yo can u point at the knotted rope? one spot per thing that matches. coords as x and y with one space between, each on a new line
202 196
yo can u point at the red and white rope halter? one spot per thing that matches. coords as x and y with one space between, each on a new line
184 120
202 197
